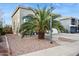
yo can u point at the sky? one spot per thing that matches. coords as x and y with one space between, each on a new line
63 9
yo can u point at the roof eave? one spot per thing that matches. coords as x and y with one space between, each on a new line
18 9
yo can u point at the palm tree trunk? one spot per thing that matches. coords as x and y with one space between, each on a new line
41 35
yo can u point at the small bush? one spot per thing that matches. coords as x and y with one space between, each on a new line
3 33
7 30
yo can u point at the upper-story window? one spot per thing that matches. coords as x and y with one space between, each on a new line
73 22
25 19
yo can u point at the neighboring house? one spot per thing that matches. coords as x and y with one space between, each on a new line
18 18
70 23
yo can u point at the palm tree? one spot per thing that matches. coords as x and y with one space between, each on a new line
38 22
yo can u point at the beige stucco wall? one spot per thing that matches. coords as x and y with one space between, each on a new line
18 19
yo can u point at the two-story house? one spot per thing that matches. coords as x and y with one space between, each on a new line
18 17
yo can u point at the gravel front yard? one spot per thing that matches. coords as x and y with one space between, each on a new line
20 46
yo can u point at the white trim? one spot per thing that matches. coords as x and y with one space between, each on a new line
73 25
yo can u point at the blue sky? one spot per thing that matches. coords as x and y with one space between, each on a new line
63 9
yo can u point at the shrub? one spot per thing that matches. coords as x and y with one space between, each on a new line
7 30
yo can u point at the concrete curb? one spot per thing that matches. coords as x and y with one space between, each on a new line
7 44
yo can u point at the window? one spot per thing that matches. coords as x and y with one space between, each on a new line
25 19
72 21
